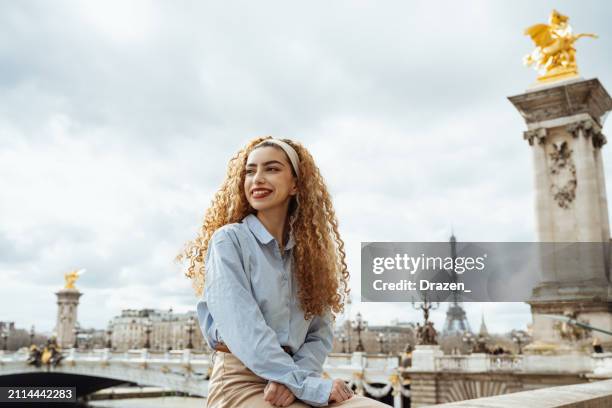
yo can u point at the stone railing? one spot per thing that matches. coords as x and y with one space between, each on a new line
431 359
479 363
188 371
602 365
591 395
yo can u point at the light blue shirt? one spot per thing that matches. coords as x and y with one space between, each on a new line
250 303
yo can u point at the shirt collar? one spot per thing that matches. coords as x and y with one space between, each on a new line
262 234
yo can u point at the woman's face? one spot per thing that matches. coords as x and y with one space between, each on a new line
269 181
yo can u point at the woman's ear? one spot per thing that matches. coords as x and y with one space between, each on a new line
294 188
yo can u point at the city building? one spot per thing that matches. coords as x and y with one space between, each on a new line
391 338
163 330
7 326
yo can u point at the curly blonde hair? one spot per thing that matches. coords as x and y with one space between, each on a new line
318 255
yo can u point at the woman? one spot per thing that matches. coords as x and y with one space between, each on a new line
270 264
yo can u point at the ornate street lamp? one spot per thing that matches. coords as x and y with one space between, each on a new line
190 330
426 307
359 325
426 334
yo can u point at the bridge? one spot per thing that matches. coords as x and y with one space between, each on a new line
439 378
186 371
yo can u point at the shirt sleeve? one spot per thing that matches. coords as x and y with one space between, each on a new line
317 345
243 328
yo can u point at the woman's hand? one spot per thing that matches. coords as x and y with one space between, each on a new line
278 394
340 391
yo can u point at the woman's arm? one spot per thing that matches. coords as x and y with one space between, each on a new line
242 325
317 345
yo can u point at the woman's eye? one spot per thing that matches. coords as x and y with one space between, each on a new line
251 171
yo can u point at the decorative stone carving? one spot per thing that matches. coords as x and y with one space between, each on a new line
563 174
589 129
467 389
535 134
585 125
599 140
427 334
569 331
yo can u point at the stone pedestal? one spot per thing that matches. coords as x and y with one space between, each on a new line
424 357
564 122
358 359
67 303
423 387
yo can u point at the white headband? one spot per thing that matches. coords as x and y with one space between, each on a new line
291 153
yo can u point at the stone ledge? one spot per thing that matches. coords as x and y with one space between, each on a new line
563 99
592 395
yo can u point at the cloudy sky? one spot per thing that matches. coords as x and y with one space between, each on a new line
117 120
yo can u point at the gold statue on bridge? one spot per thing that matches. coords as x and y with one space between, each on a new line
554 55
51 354
71 278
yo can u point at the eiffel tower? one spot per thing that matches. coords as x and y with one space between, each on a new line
456 320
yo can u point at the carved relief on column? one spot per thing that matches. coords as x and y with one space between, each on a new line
589 129
538 135
562 174
599 140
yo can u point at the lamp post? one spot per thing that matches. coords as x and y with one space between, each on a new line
520 338
381 342
75 331
109 334
4 340
347 333
359 325
426 307
32 333
343 341
469 340
148 325
426 334
190 330
134 337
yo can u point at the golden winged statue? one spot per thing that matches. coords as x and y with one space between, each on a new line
554 56
71 278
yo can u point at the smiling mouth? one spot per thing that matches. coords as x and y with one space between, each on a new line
261 193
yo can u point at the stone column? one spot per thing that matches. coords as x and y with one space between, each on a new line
564 122
423 389
423 378
67 303
424 357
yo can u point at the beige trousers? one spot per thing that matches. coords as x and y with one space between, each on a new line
233 385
